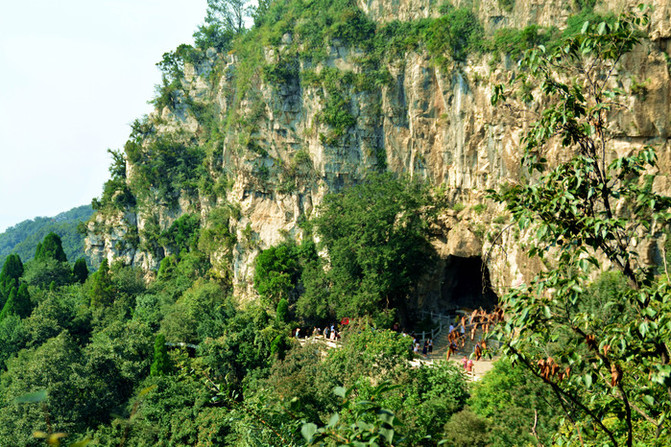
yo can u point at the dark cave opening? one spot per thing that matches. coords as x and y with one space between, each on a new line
466 284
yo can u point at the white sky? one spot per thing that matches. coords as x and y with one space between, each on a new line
74 74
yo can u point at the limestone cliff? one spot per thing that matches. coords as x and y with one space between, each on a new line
273 153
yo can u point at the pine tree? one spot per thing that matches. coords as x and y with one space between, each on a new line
102 288
10 305
51 248
283 311
22 304
18 303
80 271
13 268
39 251
161 364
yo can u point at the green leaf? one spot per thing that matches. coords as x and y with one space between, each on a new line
585 25
387 434
386 416
82 443
333 420
340 391
643 328
546 312
308 431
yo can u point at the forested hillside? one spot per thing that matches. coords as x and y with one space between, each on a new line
23 237
272 238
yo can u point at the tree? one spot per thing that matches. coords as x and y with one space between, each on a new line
276 272
18 303
10 305
609 370
229 14
376 237
56 367
12 270
519 408
80 271
283 311
43 273
359 423
51 248
161 365
101 291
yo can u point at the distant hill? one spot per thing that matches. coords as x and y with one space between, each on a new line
23 237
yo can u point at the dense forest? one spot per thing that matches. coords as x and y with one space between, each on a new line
22 238
130 357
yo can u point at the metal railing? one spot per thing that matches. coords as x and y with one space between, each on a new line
443 322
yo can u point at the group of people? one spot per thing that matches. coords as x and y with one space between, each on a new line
427 347
329 332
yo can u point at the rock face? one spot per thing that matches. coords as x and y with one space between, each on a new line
429 122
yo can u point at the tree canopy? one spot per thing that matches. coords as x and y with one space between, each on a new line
376 235
605 356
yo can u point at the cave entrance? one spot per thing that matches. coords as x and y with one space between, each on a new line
466 284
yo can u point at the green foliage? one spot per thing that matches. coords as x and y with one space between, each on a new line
277 272
80 271
212 36
56 312
506 5
18 303
13 337
161 365
200 312
467 428
241 348
183 233
50 248
41 368
575 22
457 34
337 114
282 312
426 399
165 167
12 270
22 238
371 353
101 288
512 402
602 349
584 5
48 271
359 423
375 234
228 15
9 307
514 42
